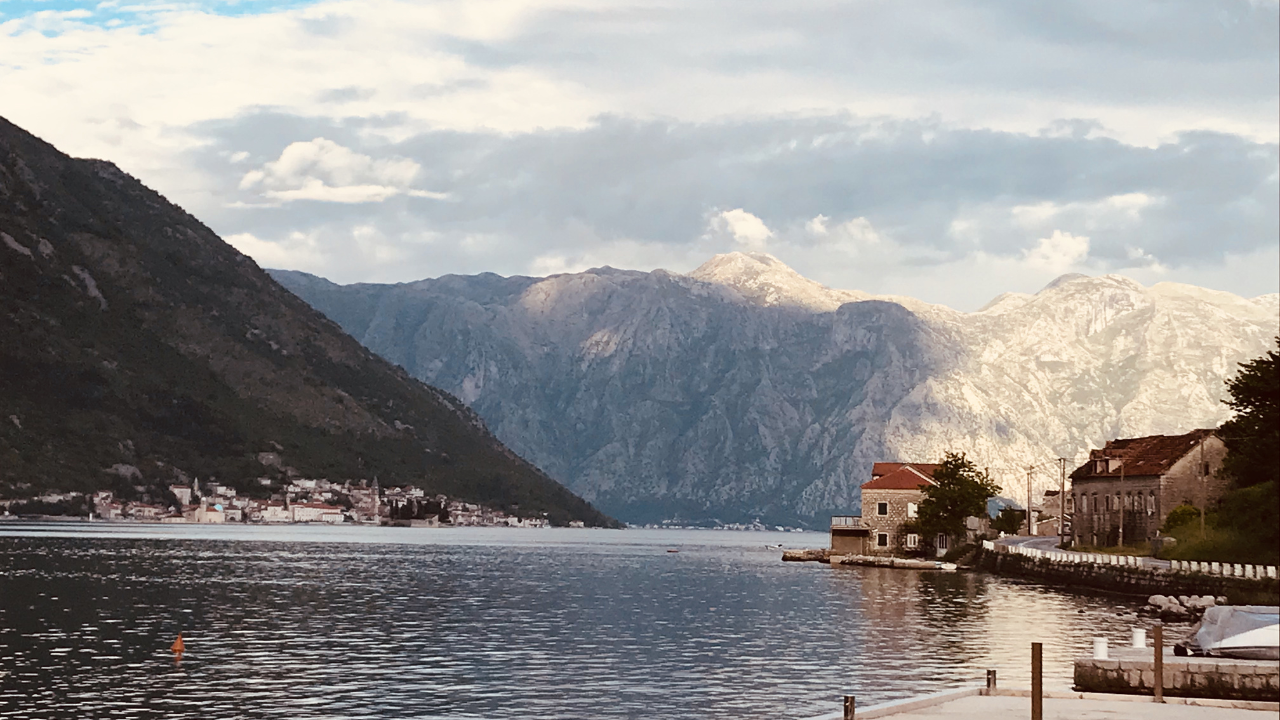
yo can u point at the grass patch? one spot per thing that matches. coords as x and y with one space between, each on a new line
1142 549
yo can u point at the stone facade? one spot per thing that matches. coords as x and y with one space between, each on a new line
1126 490
885 512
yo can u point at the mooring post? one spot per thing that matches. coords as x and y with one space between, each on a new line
991 681
848 707
1037 682
1159 673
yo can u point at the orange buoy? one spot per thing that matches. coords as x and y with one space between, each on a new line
178 646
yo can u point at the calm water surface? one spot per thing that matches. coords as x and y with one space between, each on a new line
319 622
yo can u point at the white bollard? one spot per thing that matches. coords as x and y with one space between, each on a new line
1100 648
1139 637
1271 572
1215 568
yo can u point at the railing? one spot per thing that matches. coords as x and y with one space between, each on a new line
1256 572
846 521
1260 572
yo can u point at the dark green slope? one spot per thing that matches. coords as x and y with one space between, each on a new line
131 335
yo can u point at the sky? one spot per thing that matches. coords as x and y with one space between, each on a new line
945 150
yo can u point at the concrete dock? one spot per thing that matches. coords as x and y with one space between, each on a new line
977 704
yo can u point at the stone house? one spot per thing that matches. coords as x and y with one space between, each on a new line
1124 491
889 502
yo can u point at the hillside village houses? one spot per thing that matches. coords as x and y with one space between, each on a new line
302 500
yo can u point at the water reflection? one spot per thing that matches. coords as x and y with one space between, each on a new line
491 624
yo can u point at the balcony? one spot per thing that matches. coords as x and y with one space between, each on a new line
847 522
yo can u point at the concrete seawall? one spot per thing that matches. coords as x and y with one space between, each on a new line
1132 671
1137 581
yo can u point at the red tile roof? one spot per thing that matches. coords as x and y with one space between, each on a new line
884 468
1144 456
907 476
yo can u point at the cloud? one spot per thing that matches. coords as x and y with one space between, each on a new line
1059 252
328 172
873 146
818 225
746 229
857 203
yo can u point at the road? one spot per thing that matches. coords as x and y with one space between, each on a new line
1049 543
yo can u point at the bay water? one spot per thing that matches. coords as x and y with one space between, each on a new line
364 622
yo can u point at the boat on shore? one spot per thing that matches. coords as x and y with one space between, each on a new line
1248 632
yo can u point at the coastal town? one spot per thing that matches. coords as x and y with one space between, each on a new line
301 500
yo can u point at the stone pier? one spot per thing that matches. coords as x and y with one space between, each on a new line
1132 671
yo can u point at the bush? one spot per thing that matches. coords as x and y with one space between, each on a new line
1243 528
1181 515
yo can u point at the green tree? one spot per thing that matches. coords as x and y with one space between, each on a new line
961 490
1252 437
1009 521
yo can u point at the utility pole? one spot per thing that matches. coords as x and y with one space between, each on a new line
1031 528
1062 502
1120 495
1204 489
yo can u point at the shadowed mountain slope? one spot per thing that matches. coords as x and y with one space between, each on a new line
135 339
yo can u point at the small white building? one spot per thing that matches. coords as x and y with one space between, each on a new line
316 512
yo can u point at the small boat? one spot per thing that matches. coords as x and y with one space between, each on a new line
1250 632
673 551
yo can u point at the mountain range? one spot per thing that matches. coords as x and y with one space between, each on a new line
139 349
744 391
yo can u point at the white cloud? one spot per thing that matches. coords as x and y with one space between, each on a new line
1058 253
929 166
859 232
297 252
746 229
323 170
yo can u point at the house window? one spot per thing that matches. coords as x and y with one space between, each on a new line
1071 504
882 508
1205 472
1151 502
882 539
912 510
942 541
913 540
1107 499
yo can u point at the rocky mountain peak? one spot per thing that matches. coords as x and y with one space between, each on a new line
691 398
763 279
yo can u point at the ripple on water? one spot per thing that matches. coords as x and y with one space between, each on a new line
500 624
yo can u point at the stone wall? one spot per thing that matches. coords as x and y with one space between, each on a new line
890 524
1132 671
1137 581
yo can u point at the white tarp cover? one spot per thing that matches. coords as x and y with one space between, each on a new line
1240 631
